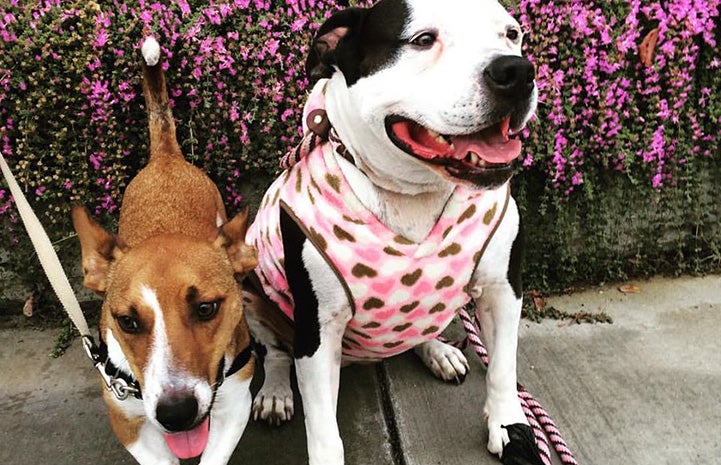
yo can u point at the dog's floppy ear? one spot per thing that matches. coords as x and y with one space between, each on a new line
98 248
335 34
231 236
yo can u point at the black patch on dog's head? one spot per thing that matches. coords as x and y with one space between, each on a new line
358 41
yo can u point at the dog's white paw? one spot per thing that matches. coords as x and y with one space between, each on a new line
274 405
444 361
499 414
497 438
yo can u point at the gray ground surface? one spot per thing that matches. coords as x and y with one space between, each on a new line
643 390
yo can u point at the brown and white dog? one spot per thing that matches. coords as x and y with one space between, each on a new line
172 318
421 96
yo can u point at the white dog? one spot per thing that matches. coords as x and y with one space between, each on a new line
397 210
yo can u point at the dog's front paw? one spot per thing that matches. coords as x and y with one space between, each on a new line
500 415
497 438
444 361
274 406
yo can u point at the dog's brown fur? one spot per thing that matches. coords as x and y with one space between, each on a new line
174 238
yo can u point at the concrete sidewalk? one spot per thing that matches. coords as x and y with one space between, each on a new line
643 390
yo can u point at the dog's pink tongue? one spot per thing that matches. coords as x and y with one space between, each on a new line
188 444
492 150
491 144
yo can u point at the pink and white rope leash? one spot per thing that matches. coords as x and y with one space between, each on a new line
539 420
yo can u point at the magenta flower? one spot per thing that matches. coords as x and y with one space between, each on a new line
237 83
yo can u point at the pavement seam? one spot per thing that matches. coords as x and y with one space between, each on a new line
389 415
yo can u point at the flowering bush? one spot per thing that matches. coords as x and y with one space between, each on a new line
70 94
72 105
603 108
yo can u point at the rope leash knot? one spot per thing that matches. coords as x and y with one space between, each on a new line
543 426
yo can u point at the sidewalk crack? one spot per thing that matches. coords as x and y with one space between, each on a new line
389 416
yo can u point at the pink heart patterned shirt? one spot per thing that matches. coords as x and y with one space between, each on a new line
401 293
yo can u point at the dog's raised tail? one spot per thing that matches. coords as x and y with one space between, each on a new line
163 140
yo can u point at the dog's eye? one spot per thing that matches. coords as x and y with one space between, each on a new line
513 34
207 310
129 324
424 39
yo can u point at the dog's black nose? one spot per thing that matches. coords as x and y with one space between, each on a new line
177 412
510 76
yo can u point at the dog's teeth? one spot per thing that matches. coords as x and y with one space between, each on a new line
438 137
473 159
505 126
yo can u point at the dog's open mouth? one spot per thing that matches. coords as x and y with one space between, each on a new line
189 444
468 157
